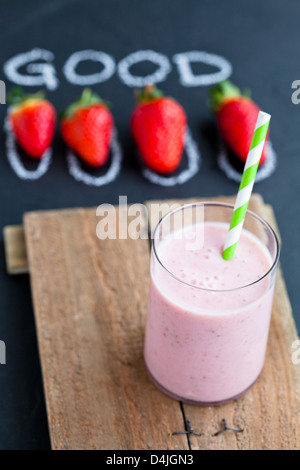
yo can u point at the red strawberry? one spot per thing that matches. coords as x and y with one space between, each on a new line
158 125
236 117
87 127
33 121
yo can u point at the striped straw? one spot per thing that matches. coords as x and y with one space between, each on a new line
247 182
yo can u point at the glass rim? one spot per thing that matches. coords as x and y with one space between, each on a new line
229 206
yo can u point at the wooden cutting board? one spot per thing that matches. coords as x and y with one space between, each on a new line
90 301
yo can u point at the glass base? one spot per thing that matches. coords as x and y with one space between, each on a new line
194 402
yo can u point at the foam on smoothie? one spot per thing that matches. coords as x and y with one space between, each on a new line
205 269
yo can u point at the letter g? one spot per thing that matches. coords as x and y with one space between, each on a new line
44 72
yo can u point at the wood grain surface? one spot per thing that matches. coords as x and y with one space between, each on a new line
15 249
90 303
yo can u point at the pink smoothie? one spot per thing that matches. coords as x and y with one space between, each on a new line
206 334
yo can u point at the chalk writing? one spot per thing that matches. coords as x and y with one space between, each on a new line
44 73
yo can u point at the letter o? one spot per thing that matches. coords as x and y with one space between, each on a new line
96 56
164 68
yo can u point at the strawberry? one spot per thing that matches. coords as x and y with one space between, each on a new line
158 125
236 117
87 127
33 121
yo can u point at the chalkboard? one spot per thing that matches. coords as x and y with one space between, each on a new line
114 46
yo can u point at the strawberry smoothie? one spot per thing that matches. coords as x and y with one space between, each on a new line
208 319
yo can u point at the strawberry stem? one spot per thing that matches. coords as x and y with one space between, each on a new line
87 99
222 91
17 96
147 94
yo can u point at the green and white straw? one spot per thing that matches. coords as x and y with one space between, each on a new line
246 185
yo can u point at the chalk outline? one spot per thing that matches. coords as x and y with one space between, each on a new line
264 172
15 160
79 175
194 164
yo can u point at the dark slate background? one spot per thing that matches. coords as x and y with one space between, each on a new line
259 39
